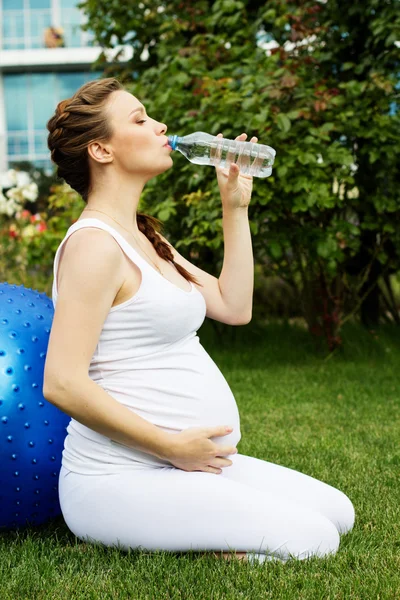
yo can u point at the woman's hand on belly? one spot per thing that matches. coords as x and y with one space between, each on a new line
192 450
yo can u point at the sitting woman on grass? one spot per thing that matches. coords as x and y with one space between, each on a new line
150 458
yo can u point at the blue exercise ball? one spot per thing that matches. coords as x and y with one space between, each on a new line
32 429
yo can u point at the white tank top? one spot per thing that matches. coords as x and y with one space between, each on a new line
150 359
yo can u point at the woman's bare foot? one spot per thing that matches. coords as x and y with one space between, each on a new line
229 556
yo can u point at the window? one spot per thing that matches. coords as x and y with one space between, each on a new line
26 21
30 101
71 20
9 4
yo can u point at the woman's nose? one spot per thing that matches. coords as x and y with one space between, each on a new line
163 128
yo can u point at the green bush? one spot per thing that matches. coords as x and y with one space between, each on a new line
324 96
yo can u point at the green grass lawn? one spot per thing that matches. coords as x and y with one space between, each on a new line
336 419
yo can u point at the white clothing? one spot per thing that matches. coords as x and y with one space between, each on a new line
269 511
149 358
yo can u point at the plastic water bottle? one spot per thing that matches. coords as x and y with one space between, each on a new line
205 149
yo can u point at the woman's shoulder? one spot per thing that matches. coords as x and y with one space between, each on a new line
87 249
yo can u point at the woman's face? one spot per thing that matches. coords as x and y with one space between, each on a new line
138 142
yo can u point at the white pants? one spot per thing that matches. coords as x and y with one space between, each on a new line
254 506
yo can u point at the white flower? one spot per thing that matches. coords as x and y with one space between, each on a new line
19 189
15 194
30 191
13 207
8 179
22 178
8 207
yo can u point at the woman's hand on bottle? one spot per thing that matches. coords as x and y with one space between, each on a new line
192 450
235 188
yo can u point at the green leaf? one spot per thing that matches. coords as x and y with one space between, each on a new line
248 103
275 249
326 248
327 127
373 156
164 214
354 229
382 257
389 228
283 122
282 170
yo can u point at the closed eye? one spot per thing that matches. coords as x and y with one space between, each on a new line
143 121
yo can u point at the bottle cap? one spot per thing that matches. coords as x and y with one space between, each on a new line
172 141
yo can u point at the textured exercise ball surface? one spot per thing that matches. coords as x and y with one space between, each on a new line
32 430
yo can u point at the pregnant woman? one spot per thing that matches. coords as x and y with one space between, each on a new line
149 461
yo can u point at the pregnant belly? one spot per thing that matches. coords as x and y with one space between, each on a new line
181 392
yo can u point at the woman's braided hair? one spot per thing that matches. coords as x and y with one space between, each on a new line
76 122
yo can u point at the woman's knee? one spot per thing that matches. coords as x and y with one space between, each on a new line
325 539
344 516
316 536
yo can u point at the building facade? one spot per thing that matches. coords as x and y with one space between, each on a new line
45 56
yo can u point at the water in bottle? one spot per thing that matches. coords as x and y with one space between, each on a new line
205 149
